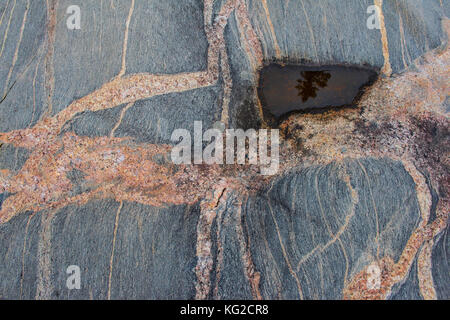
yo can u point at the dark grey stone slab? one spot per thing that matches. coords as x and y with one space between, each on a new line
302 232
153 256
229 281
318 31
304 215
21 63
409 289
413 27
441 265
19 252
12 158
85 59
296 230
155 253
336 31
242 104
158 45
82 236
154 120
95 124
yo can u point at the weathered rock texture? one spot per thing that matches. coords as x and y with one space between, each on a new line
86 119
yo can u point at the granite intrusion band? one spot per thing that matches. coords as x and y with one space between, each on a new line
105 158
387 70
204 239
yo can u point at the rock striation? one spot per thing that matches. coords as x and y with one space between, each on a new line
86 177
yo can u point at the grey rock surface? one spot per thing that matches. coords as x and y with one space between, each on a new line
306 234
305 221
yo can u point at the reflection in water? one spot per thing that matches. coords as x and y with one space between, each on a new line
308 87
288 88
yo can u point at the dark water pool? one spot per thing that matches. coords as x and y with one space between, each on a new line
284 89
